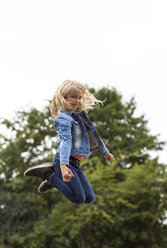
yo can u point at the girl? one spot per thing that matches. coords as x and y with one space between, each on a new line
77 138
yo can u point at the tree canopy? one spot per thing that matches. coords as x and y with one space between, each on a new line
131 194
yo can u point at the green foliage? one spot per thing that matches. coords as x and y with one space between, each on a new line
123 133
131 194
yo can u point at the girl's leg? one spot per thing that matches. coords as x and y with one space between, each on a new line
73 190
90 196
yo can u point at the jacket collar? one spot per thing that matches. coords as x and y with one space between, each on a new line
65 111
69 112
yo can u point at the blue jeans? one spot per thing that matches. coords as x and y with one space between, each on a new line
78 190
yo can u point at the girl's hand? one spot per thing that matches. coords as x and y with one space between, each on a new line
109 157
66 173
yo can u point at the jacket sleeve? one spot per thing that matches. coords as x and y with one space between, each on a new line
63 125
103 151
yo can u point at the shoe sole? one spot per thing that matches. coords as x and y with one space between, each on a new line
37 166
40 187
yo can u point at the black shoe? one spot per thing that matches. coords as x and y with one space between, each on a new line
40 170
44 186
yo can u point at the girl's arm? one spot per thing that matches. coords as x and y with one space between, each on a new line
105 153
63 125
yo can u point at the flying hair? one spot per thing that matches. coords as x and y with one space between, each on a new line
59 100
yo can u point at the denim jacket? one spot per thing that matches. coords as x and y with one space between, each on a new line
77 136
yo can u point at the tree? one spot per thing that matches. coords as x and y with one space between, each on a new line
129 210
30 143
125 134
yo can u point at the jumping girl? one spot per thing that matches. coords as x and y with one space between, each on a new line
77 138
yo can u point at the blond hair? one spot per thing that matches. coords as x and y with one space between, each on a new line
59 99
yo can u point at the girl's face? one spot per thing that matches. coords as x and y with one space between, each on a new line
74 98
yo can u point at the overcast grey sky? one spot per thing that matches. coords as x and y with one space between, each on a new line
114 43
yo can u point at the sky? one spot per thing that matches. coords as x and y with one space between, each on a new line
112 43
